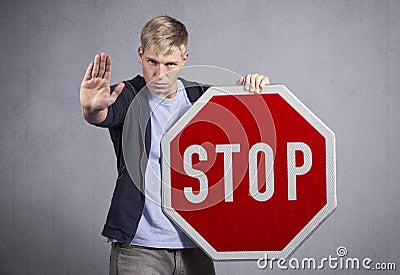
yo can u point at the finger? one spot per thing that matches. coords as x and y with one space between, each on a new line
253 82
107 74
88 73
95 70
247 83
264 82
102 67
258 81
117 91
240 81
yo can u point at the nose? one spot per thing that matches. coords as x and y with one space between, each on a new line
161 69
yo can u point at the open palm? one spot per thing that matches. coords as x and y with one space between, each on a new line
95 93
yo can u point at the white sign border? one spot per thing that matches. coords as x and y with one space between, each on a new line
312 225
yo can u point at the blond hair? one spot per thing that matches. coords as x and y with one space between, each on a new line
163 35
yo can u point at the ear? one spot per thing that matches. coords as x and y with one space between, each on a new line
185 57
140 54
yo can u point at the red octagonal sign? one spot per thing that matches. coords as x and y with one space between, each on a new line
248 174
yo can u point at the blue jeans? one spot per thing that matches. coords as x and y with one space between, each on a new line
131 259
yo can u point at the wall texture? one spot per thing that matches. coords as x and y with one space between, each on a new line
341 58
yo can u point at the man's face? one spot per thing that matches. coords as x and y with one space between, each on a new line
161 71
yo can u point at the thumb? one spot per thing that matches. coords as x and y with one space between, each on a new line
117 91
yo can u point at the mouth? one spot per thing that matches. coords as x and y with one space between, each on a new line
159 85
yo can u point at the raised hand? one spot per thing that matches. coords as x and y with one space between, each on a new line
95 93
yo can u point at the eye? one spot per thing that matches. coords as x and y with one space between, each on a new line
151 62
171 65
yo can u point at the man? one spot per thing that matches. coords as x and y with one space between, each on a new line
144 240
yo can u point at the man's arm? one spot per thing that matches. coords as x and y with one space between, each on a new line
254 82
95 93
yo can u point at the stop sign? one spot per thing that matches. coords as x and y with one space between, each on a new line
248 174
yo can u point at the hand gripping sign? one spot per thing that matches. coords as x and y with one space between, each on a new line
248 174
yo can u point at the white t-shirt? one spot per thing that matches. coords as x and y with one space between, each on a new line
155 229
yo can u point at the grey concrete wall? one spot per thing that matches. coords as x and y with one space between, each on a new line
341 58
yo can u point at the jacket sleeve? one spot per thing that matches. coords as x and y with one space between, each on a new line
117 111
